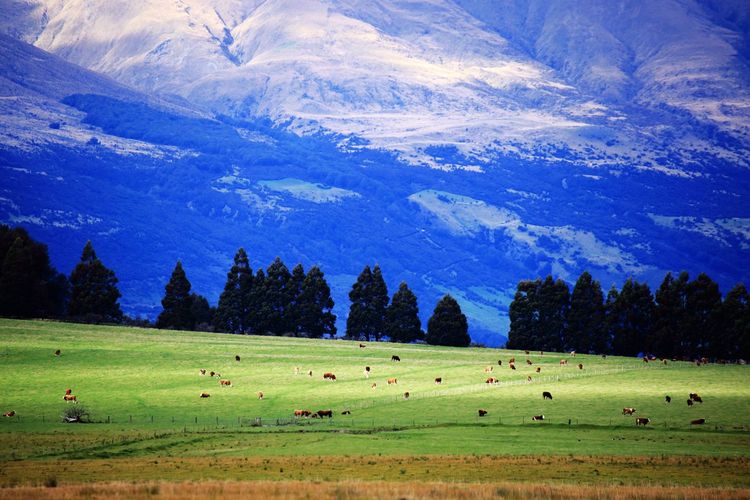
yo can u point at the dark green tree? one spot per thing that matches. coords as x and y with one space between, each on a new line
703 316
29 285
278 298
524 316
94 294
402 322
553 303
358 323
735 322
314 306
294 316
378 302
630 318
232 313
202 313
670 321
257 321
448 325
177 302
585 321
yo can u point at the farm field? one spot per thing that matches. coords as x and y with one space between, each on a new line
142 389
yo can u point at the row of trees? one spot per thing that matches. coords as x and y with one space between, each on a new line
275 301
683 318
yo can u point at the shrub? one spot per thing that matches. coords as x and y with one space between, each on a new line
76 413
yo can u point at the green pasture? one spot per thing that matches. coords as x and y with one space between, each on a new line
142 388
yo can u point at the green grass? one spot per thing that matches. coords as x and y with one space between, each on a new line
142 388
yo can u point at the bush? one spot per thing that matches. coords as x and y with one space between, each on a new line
76 413
50 482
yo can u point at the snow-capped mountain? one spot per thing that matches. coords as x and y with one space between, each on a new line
609 136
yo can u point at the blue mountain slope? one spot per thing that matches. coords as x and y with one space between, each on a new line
162 183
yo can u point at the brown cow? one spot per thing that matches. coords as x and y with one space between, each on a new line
512 360
628 411
68 391
491 380
237 358
539 369
690 402
202 371
537 417
69 398
699 421
260 394
225 382
698 399
527 352
438 380
563 362
580 366
488 369
512 366
329 376
374 385
528 379
362 346
642 421
395 358
325 413
10 413
482 412
546 395
57 352
392 381
302 413
499 362
406 395
528 362
205 395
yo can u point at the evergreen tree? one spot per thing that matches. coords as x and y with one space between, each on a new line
278 298
402 322
448 325
735 322
630 318
314 306
612 318
294 315
703 312
257 321
524 315
201 312
29 285
378 302
233 312
177 303
94 292
359 323
554 302
670 319
585 321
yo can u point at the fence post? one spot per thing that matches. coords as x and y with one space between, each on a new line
131 418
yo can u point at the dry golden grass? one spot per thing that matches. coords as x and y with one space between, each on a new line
292 490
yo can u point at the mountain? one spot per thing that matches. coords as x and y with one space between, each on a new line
460 145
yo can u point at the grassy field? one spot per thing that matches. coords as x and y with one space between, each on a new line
142 388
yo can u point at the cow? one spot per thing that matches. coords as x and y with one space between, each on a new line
9 414
367 372
314 415
302 413
667 399
537 417
329 376
539 369
528 379
563 362
438 380
628 411
664 361
260 394
237 358
225 382
642 421
546 395
68 391
309 373
573 353
541 353
406 395
499 362
491 380
212 374
698 421
325 413
488 369
57 352
202 372
367 369
528 362
604 356
374 385
346 412
392 381
527 352
205 395
690 402
395 358
512 360
645 359
362 346
70 397
482 412
512 366
580 366
698 399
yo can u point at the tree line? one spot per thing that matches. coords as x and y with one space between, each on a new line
683 319
271 302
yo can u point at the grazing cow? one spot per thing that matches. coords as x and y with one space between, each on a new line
690 402
57 352
329 376
392 381
395 358
406 395
527 352
512 360
374 385
580 366
260 394
628 411
695 397
69 398
10 413
438 380
325 413
225 382
573 353
205 395
539 369
645 359
667 398
347 412
362 346
528 362
537 417
68 391
698 399
499 362
698 421
541 353
482 412
563 362
367 369
491 380
302 413
488 369
314 415
309 373
704 361
237 358
213 374
512 366
202 372
546 395
642 421
528 379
